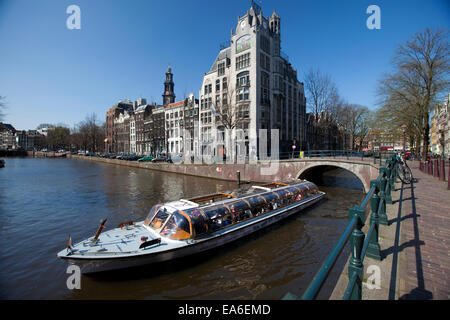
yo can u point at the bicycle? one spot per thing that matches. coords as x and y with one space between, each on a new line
403 171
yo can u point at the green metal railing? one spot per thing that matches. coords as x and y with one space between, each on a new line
361 245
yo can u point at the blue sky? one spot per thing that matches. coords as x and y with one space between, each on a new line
50 74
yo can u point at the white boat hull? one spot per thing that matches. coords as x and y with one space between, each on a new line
190 247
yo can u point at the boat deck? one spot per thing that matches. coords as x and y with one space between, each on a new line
118 241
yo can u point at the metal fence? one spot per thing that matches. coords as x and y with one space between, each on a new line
436 168
361 245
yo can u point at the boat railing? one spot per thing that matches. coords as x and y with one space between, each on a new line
361 245
211 198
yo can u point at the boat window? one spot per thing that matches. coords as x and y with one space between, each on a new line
160 218
238 211
152 213
215 217
199 221
177 227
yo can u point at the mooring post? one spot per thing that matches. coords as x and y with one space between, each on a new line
238 173
356 244
373 250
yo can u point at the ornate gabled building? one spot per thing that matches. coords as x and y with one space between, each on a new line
111 145
252 85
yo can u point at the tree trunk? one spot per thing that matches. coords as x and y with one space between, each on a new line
426 132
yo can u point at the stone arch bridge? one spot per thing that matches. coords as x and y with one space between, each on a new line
365 171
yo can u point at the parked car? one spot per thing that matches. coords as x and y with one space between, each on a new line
159 159
131 157
145 159
175 159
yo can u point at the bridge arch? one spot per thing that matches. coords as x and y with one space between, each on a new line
345 166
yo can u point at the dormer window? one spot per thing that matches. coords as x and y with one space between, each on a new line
221 69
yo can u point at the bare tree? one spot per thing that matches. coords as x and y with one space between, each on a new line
322 96
322 93
420 78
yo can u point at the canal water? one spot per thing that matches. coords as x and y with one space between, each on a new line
42 201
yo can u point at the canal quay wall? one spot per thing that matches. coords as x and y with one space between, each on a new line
253 172
50 154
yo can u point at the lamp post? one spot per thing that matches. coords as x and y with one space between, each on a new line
404 137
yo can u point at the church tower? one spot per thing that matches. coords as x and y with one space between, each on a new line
169 94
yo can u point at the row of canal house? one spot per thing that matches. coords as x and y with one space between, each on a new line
149 129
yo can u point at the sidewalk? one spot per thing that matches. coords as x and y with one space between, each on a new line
415 252
425 238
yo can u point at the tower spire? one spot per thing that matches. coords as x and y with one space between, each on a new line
169 94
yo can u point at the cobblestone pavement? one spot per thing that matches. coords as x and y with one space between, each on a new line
424 270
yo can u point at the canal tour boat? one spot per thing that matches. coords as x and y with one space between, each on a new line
184 227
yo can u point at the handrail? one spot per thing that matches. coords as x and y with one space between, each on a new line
361 245
324 271
366 242
295 154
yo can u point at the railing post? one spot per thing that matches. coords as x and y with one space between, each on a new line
390 180
356 243
373 250
448 176
382 213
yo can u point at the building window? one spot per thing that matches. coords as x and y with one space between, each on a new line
264 79
217 100
264 61
243 111
217 85
243 61
224 99
221 69
265 44
265 96
276 83
243 79
242 94
224 83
